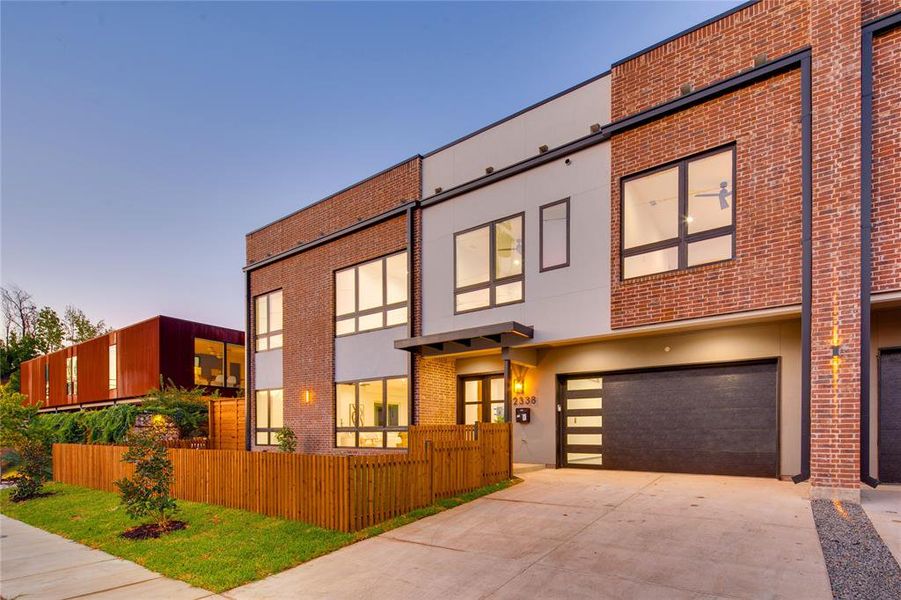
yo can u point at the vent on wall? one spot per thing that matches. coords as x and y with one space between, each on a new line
542 148
687 88
760 59
489 170
595 127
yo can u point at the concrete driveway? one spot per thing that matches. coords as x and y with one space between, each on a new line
586 534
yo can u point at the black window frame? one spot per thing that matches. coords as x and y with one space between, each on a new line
541 209
269 332
382 428
683 240
493 281
269 431
384 308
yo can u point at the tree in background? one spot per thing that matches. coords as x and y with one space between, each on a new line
29 332
79 328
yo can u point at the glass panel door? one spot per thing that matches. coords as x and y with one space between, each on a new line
483 399
582 422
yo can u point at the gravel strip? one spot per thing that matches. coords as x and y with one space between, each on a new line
859 563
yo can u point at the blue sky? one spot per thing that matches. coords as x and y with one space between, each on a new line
141 141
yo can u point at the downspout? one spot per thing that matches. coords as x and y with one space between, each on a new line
806 263
411 313
866 213
248 360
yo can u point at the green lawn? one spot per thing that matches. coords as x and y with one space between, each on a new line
221 548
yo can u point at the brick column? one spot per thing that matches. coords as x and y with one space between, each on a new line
835 381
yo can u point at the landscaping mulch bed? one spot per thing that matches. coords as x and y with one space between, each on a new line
152 530
859 563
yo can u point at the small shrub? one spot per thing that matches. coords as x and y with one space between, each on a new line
146 493
187 408
34 469
286 440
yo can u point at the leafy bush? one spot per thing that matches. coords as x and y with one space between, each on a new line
21 430
187 408
103 426
147 491
286 440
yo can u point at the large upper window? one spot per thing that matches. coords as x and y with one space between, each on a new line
489 265
269 321
270 416
679 215
554 235
212 367
371 295
372 414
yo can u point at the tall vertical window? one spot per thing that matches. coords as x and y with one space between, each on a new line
679 215
235 366
72 376
270 416
488 267
113 365
554 235
372 414
372 295
46 380
268 310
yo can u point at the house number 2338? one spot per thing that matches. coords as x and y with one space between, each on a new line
523 400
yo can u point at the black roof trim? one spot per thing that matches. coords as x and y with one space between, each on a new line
712 19
517 113
394 212
483 337
332 195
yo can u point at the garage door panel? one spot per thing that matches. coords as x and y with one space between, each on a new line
719 419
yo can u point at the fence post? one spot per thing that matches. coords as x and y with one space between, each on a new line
431 465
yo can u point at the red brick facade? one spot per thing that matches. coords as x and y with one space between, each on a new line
307 281
763 122
436 391
886 162
373 196
714 52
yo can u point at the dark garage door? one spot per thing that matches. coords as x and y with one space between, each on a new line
719 419
890 416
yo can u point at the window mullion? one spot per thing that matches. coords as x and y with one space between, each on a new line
683 213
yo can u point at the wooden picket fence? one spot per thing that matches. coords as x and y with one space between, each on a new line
226 423
345 492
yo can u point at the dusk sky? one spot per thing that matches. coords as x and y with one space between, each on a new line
142 141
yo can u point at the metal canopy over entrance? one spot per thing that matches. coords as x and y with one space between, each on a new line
485 337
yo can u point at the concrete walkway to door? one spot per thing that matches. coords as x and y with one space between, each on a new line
585 534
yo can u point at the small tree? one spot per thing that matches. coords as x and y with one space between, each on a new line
21 430
146 493
286 440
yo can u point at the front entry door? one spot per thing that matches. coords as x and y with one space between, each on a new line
482 399
581 422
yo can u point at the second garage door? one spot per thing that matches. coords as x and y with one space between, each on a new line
719 419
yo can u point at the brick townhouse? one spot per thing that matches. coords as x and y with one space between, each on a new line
689 263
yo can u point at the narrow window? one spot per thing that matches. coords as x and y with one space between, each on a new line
555 235
372 295
269 416
679 215
235 372
72 376
268 311
113 367
372 414
488 267
46 380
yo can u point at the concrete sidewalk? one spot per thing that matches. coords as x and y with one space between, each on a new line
573 534
883 507
37 564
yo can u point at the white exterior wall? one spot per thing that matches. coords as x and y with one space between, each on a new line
553 124
370 355
560 304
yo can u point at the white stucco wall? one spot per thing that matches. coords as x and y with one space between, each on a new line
553 124
370 355
560 304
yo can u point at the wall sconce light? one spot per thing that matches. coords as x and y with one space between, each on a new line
518 386
306 397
